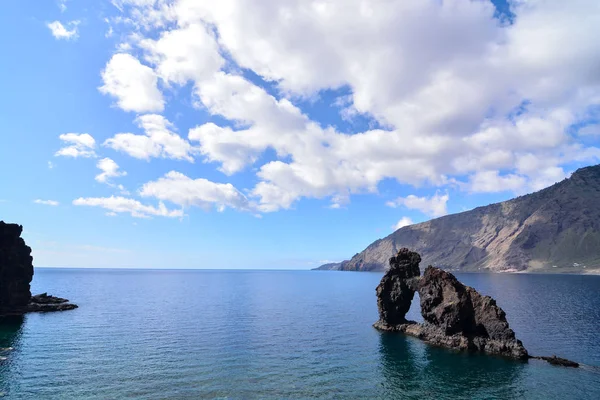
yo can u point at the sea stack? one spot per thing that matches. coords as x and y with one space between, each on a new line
456 316
16 273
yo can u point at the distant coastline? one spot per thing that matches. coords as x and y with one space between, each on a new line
555 230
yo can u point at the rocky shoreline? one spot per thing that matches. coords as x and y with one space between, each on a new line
456 316
41 303
16 273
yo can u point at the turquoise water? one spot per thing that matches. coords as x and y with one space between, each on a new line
283 334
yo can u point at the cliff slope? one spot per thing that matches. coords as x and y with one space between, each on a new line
554 230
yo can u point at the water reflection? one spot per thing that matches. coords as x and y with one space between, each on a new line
10 335
413 369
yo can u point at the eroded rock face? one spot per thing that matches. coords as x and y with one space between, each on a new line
16 267
397 288
456 316
459 310
456 308
445 302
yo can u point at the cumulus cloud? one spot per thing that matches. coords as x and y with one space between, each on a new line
59 31
491 181
133 84
159 141
477 99
53 203
187 54
77 145
404 221
434 206
184 191
118 204
110 169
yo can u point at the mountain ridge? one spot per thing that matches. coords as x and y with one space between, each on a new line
556 229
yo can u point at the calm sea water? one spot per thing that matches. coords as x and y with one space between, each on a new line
284 334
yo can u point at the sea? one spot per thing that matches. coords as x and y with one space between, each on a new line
214 334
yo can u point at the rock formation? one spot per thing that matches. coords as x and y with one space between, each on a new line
16 273
396 290
16 267
456 316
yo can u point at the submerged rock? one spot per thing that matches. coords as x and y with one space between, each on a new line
16 273
456 316
563 362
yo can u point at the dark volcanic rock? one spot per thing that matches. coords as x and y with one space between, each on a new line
16 272
456 308
396 290
456 316
45 299
563 362
44 303
16 267
445 302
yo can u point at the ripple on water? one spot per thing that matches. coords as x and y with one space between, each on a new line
238 334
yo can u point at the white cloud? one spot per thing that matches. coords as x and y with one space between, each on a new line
118 204
59 31
545 174
181 55
492 181
50 165
159 141
546 177
471 98
110 169
434 206
62 4
134 85
184 191
53 203
589 130
78 145
404 221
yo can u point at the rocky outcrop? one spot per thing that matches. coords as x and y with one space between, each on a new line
16 273
456 316
44 303
554 230
16 267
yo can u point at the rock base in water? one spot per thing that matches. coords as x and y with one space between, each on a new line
41 303
563 362
436 336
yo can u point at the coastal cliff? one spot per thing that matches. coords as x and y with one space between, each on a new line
16 267
16 273
554 230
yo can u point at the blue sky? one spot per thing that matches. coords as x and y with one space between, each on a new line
182 134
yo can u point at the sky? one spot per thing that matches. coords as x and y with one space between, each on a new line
281 135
